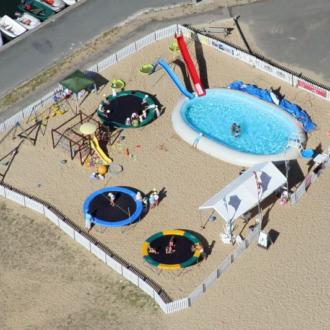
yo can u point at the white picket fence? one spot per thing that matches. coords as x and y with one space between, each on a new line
84 240
165 33
223 266
105 257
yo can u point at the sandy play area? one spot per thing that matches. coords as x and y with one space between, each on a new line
283 288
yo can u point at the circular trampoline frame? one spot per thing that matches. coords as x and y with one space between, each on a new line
189 262
129 220
114 124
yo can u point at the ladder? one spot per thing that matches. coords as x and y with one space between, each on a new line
294 141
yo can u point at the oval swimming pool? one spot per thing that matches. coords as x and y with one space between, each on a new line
265 128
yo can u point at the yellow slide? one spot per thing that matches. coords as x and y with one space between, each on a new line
96 147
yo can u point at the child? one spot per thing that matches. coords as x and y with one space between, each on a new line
88 221
156 197
128 122
100 176
112 199
238 131
199 247
138 196
101 107
152 201
135 122
106 101
157 112
171 245
199 136
233 127
144 101
93 176
152 250
151 106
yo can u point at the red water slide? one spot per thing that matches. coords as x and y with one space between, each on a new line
190 66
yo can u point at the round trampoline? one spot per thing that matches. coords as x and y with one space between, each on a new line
183 256
125 211
122 106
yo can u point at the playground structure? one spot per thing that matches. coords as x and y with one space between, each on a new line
60 106
118 84
190 67
147 69
208 281
68 137
23 134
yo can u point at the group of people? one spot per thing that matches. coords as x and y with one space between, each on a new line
97 176
152 200
236 129
138 118
102 109
171 248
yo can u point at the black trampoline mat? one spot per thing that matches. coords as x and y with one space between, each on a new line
122 108
124 207
182 250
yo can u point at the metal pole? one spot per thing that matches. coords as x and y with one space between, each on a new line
230 221
287 169
259 206
259 209
241 33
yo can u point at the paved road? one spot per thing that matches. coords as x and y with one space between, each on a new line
196 19
292 32
63 35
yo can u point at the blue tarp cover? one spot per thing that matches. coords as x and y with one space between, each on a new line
264 94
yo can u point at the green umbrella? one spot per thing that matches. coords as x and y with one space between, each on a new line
76 82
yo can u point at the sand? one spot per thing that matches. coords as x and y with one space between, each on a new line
285 287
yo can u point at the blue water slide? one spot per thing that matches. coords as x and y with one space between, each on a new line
175 79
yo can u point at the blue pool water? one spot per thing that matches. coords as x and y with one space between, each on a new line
265 130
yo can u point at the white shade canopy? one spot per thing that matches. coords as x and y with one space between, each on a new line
241 195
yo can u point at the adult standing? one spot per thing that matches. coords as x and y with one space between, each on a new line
89 221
